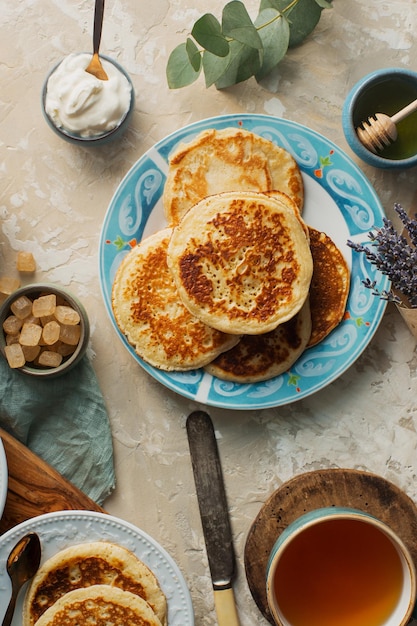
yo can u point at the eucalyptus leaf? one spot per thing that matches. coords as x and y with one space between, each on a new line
303 17
325 4
238 48
180 72
213 67
237 25
208 33
272 4
244 63
249 63
241 63
194 54
274 31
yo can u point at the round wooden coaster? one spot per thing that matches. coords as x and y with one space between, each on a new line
313 490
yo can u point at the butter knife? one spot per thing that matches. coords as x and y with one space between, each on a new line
214 514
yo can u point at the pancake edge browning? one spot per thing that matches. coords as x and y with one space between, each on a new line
230 159
150 313
241 261
330 284
97 560
257 358
101 605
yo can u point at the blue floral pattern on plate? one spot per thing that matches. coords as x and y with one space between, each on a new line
339 200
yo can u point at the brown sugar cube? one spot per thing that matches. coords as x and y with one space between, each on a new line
64 349
49 359
31 352
21 307
32 319
46 318
14 355
61 300
67 315
70 334
12 325
25 262
44 305
30 335
50 333
8 285
12 339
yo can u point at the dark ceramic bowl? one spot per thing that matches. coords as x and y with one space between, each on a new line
32 292
94 140
383 91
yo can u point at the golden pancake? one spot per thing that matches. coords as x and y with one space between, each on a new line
329 288
232 159
149 311
283 197
99 605
87 564
261 357
241 262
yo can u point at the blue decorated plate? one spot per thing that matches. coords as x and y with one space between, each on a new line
339 200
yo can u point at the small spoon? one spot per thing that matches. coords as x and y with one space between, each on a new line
95 67
22 564
379 131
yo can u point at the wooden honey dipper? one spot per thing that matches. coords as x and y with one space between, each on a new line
380 130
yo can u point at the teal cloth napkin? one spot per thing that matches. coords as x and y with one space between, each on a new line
64 421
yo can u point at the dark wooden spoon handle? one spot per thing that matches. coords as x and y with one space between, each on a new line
98 25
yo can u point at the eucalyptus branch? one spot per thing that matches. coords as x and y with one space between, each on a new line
290 6
237 48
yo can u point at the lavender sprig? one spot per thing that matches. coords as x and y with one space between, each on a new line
395 255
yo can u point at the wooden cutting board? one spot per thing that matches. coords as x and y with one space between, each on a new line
35 487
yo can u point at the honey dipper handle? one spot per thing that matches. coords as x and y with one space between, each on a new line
407 110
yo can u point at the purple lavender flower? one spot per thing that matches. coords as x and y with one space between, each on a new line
395 255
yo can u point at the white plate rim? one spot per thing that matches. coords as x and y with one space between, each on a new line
200 386
47 525
4 477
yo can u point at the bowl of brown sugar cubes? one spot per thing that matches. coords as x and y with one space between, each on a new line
45 330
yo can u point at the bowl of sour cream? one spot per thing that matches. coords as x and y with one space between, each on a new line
82 109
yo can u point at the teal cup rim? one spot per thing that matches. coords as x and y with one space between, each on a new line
349 129
94 140
325 514
79 352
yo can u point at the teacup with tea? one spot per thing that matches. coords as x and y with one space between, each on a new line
339 566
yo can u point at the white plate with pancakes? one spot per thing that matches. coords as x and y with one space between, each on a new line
62 529
3 477
338 200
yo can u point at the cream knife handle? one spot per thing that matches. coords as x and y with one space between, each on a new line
224 601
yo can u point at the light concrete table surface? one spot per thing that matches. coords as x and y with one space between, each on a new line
53 199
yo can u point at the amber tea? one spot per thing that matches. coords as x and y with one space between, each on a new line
339 571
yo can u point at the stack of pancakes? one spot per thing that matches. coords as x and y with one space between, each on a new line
97 583
237 283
